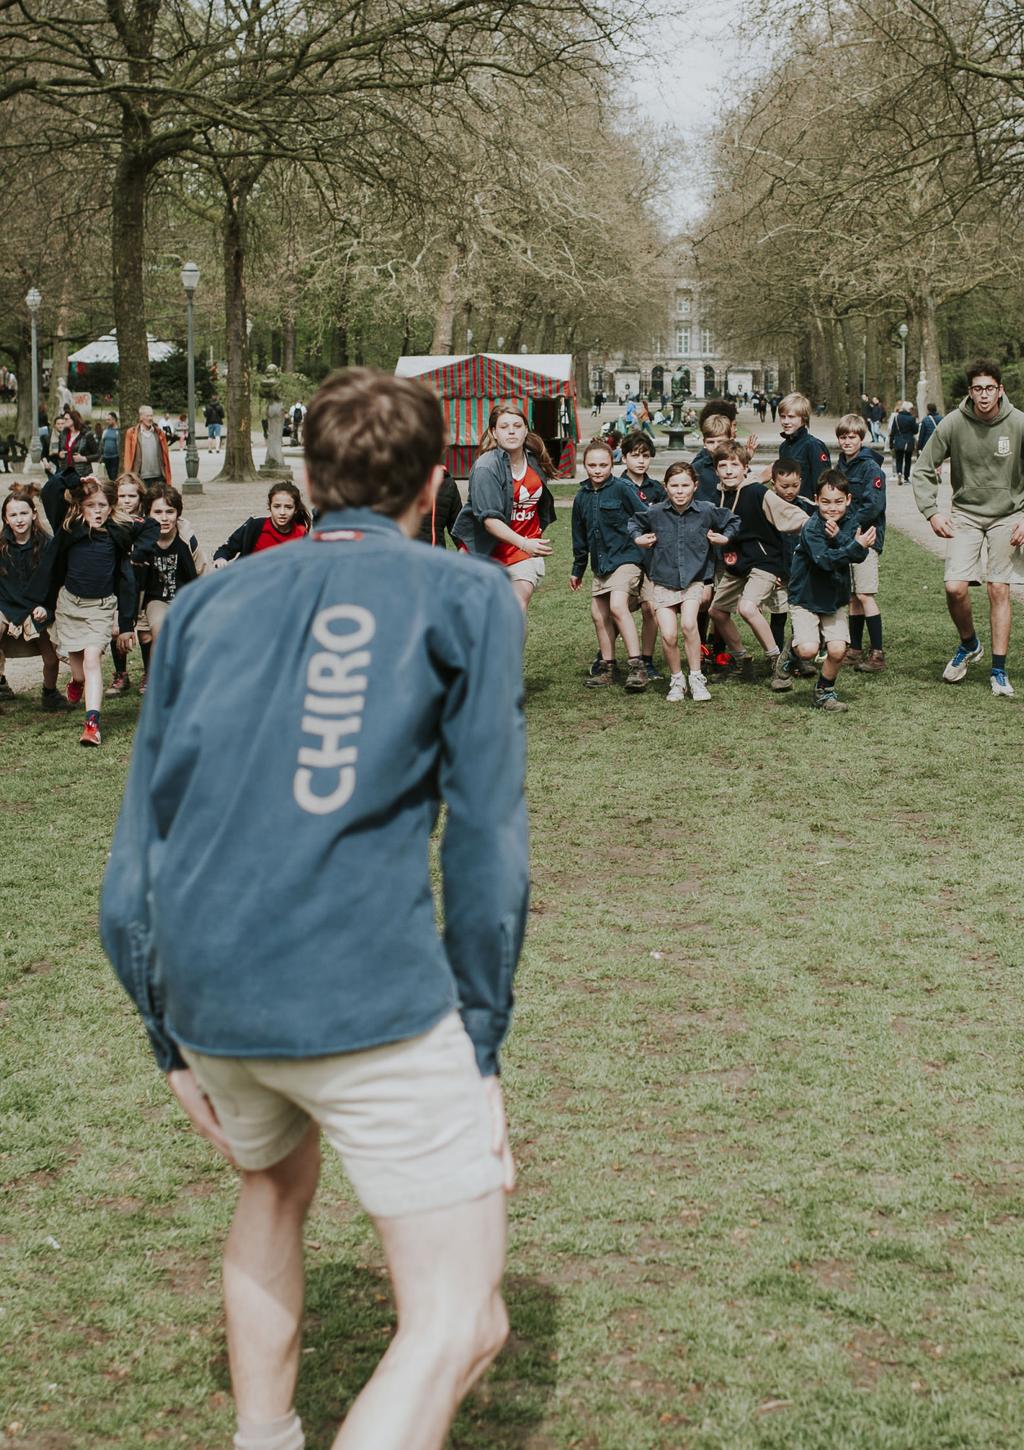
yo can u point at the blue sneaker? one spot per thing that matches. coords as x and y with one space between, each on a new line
957 667
1001 684
653 673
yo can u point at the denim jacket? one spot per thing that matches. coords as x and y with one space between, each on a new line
490 497
600 519
819 576
269 892
683 553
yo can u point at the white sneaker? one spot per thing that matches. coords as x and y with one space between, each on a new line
677 690
699 687
957 667
1001 684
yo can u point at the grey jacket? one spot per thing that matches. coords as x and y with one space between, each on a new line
269 891
490 497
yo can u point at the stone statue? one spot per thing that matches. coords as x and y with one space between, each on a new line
678 386
273 465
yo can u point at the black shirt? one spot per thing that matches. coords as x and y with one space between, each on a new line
92 566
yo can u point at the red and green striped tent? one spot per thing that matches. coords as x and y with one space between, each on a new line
469 386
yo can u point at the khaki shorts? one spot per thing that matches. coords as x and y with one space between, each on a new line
865 575
778 600
626 578
971 538
152 616
755 588
809 628
410 1119
528 571
84 623
663 598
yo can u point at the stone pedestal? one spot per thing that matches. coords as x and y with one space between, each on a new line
274 465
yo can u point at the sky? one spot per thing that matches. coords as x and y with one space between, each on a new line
690 56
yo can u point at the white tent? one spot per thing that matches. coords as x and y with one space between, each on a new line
104 350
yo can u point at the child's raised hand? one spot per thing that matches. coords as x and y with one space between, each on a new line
39 614
831 528
574 583
865 537
716 538
645 541
221 563
751 444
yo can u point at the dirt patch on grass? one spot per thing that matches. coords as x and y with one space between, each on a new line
871 1354
834 1274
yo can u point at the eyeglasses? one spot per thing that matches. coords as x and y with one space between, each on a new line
984 388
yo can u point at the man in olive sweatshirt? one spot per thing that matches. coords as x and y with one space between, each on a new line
984 442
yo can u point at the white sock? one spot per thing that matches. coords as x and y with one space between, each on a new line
678 678
284 1433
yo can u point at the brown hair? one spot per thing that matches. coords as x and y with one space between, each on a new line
23 493
597 445
87 488
786 468
729 449
718 425
851 423
832 478
796 403
680 467
371 440
301 511
533 443
168 493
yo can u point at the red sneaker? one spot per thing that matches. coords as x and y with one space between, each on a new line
142 684
75 691
91 734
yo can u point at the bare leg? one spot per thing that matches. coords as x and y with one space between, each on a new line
999 615
668 623
649 628
958 602
524 593
92 671
727 632
835 653
446 1270
688 611
263 1281
601 615
865 604
759 626
618 604
76 666
51 664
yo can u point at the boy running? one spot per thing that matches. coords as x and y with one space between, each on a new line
819 588
800 445
862 469
601 512
638 455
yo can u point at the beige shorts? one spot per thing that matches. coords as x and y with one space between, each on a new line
755 587
865 575
152 616
528 571
663 598
410 1119
778 600
970 539
625 578
809 629
84 623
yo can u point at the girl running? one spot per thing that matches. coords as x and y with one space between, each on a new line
510 504
130 494
88 584
23 620
288 519
163 569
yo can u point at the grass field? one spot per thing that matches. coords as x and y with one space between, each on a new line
764 1082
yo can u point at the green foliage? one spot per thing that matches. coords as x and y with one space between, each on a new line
763 1083
168 382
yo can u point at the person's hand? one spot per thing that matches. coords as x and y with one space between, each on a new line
865 537
645 541
537 548
574 583
751 444
831 528
499 1131
941 526
220 563
199 1110
126 641
1017 537
716 538
78 457
39 614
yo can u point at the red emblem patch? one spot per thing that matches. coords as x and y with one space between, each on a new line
824 457
878 483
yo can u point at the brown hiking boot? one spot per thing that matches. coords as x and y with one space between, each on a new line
872 663
637 677
854 657
601 676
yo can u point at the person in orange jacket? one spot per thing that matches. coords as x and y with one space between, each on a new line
145 450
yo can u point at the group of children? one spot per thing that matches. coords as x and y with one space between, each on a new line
711 545
104 573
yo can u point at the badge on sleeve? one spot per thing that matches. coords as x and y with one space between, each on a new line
878 483
823 457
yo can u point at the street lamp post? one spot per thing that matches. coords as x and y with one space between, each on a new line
190 281
903 329
33 301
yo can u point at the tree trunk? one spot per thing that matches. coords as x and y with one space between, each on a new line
852 343
931 358
25 425
288 345
128 210
239 465
873 386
